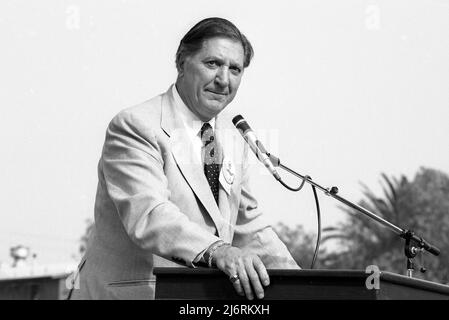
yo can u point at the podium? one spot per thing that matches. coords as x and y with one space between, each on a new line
204 284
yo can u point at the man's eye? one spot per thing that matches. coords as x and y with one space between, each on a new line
211 63
236 70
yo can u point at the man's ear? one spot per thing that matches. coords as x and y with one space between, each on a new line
181 68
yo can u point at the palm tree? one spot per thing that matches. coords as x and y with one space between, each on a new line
362 239
421 205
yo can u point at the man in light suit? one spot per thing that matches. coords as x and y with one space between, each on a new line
173 182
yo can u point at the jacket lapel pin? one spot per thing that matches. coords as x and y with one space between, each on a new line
228 171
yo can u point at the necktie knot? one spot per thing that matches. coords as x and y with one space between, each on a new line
206 126
207 134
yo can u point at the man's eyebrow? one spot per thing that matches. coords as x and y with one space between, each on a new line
221 61
238 65
214 58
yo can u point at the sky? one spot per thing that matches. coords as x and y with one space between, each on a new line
339 90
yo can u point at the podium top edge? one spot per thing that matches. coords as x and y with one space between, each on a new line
272 272
311 273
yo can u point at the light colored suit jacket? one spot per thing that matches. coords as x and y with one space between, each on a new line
154 206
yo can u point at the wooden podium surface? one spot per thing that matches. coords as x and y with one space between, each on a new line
203 284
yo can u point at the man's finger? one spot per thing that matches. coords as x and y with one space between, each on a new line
254 279
236 282
262 271
244 281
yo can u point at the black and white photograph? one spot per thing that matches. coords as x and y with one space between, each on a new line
237 153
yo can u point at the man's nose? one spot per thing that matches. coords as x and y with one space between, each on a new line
222 77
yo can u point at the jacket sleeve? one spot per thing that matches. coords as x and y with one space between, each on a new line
133 170
254 233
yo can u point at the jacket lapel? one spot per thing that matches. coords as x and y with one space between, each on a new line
190 167
230 176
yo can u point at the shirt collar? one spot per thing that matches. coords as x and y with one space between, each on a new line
190 120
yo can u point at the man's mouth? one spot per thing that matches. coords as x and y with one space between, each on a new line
217 92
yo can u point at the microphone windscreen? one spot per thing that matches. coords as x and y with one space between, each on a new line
241 124
236 119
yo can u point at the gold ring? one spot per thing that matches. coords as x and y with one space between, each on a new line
234 278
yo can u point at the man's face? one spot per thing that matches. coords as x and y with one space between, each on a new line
209 79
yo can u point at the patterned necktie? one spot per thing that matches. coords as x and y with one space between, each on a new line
211 161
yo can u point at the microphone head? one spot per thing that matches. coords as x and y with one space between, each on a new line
236 119
241 124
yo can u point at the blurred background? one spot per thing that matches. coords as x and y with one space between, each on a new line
354 93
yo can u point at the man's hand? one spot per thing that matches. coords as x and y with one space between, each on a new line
251 272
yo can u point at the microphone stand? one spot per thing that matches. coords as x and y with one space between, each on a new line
413 243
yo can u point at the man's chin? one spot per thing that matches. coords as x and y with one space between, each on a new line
215 108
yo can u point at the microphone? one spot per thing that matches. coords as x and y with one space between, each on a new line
255 145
